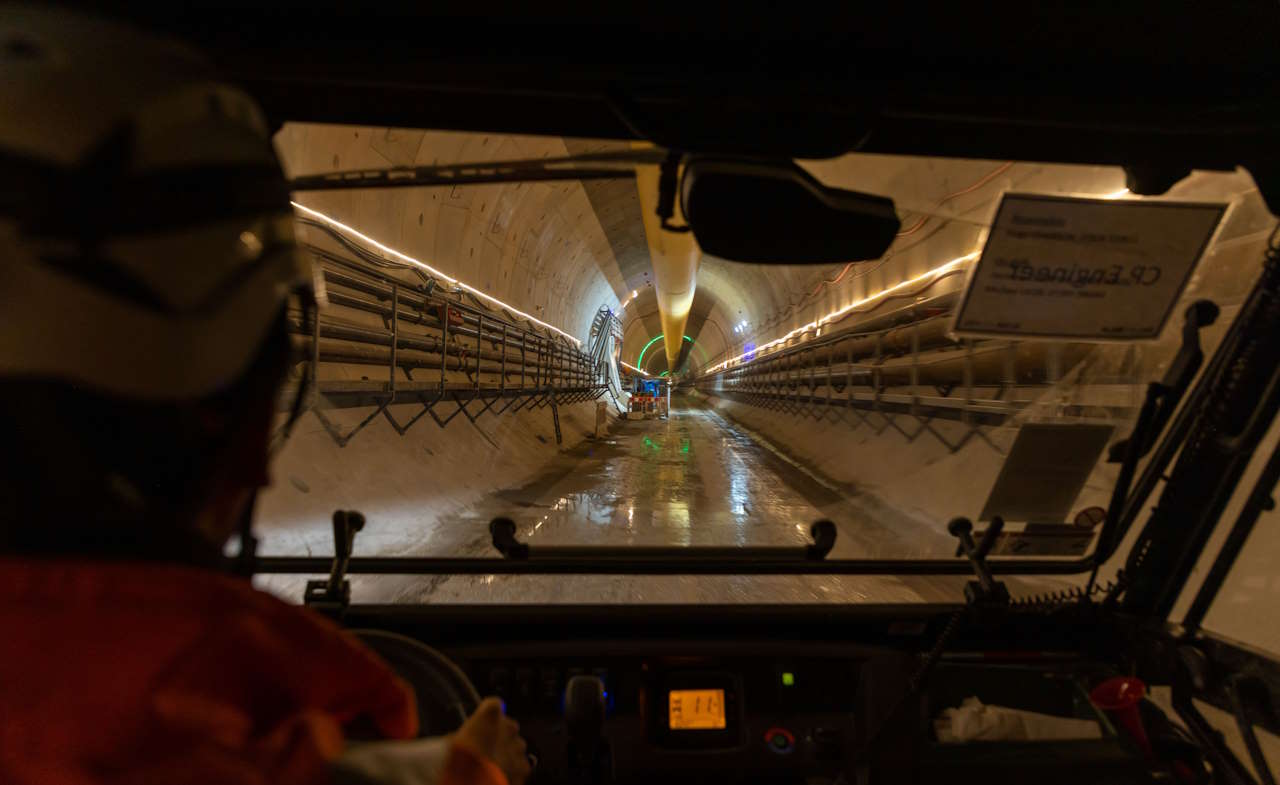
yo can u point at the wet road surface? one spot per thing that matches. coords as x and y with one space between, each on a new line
693 479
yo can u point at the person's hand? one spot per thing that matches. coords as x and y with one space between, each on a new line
496 736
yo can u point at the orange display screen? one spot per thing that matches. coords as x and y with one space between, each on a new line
696 710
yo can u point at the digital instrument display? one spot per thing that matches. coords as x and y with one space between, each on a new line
696 710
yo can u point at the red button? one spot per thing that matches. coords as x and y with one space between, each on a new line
780 740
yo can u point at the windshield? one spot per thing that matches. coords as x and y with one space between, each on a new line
505 350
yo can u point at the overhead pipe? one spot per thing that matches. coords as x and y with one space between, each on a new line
675 257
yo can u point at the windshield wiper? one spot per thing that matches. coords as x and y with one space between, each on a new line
503 531
1161 401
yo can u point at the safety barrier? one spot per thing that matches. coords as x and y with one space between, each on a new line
915 370
424 345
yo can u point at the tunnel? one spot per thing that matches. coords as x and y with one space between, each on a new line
477 347
450 394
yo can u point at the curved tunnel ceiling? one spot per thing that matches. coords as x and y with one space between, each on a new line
538 247
707 329
560 251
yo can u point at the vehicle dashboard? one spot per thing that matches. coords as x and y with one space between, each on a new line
762 694
671 710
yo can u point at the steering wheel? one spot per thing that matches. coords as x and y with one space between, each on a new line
445 695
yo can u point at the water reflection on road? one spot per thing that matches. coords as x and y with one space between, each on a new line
694 479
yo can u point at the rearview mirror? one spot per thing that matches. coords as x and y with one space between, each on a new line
776 213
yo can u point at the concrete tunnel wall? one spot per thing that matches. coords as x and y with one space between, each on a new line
886 463
545 249
944 206
538 247
904 471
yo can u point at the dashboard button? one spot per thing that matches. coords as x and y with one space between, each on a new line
780 740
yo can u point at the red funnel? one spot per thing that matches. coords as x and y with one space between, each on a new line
1120 697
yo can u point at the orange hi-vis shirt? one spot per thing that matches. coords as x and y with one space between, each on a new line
141 673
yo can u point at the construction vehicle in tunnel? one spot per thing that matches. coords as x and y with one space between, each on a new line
934 513
649 398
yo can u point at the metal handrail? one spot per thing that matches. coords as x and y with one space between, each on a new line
422 295
429 328
881 379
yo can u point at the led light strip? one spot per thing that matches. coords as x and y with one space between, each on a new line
932 274
655 339
423 265
632 367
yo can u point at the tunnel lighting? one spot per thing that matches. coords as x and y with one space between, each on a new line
931 275
632 367
652 341
1117 194
424 266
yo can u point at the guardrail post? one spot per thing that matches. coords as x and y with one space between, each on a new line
395 334
315 357
537 363
915 365
831 352
444 347
848 376
968 379
875 374
1053 363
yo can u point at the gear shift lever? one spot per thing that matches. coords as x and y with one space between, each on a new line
584 709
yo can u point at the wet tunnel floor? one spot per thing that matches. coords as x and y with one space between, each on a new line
693 479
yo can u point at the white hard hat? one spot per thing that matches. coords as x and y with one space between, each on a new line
146 237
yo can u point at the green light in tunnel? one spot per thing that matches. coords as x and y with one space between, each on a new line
652 341
664 373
